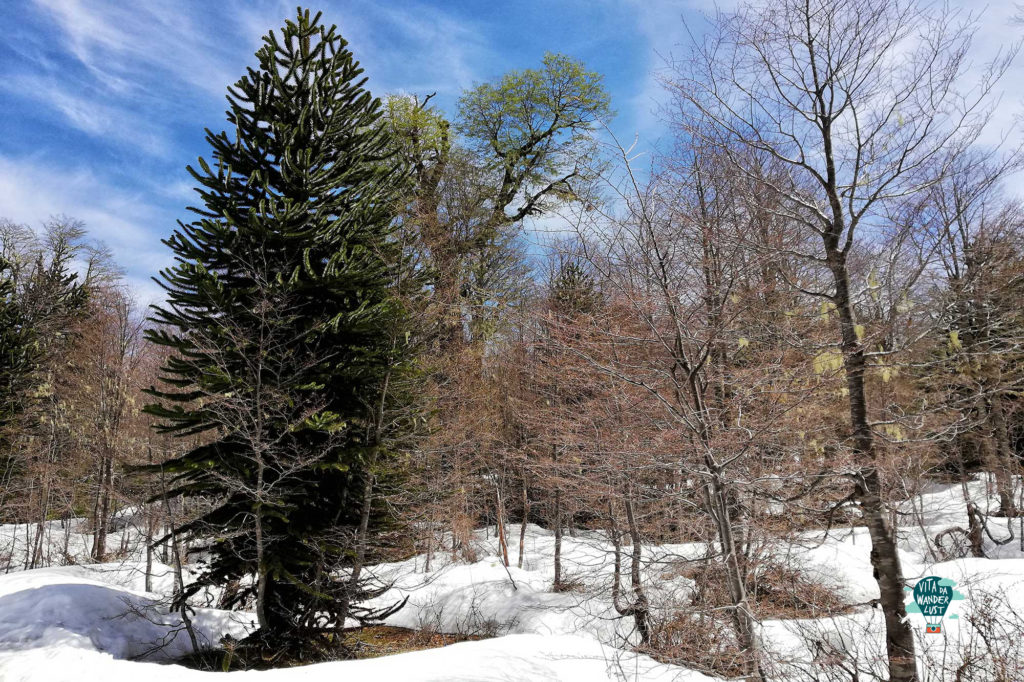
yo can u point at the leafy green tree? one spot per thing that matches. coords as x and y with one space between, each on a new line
523 145
287 329
535 128
531 133
516 147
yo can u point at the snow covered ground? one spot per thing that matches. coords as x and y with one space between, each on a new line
97 622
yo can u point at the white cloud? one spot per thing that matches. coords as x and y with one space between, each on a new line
132 75
31 194
120 42
415 48
146 67
92 115
136 69
661 22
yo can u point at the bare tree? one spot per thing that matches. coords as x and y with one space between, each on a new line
680 335
858 101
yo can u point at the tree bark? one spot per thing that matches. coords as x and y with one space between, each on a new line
885 558
558 539
502 541
361 540
558 523
743 617
641 607
101 518
1002 467
526 518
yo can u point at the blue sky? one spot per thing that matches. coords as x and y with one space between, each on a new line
104 102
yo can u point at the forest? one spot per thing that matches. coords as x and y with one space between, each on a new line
429 380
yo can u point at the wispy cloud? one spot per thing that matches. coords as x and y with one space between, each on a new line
119 67
93 115
661 22
113 97
129 45
31 193
105 100
128 74
443 53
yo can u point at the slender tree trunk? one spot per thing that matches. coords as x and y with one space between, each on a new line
28 530
641 607
526 518
261 559
717 500
150 530
101 518
179 577
502 541
46 493
558 539
638 608
613 533
261 580
557 522
66 525
885 558
1002 466
44 511
361 540
430 543
94 522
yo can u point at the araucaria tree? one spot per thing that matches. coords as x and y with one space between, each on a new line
288 334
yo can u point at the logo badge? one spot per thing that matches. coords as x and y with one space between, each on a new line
932 596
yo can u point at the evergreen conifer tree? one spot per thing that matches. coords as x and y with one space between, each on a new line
287 330
16 362
41 300
573 291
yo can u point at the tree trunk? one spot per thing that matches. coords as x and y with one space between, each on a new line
149 562
557 522
179 577
431 529
261 579
718 502
502 541
101 518
641 607
361 540
885 559
526 518
261 559
1002 466
558 539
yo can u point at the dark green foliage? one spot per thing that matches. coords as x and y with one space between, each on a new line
40 299
17 357
285 321
573 291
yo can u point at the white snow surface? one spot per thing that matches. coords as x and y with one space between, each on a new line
97 622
